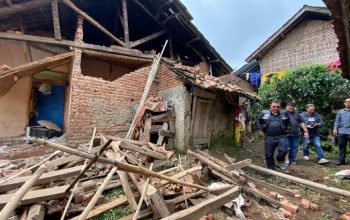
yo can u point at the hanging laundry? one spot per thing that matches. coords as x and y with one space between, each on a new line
255 79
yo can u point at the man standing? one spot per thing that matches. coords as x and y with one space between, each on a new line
274 126
313 122
293 136
342 130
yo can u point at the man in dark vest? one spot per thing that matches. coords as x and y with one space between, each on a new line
274 126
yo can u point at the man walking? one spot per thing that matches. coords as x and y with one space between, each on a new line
342 130
274 126
313 122
293 136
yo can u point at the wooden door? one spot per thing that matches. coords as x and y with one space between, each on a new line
201 121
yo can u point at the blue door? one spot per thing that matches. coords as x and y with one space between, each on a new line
50 107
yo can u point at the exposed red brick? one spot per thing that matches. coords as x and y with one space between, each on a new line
273 194
287 214
305 203
289 206
314 206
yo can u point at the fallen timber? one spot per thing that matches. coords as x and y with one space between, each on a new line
121 166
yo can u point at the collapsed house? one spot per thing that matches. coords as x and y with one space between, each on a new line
84 64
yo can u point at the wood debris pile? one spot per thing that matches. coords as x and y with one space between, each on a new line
69 184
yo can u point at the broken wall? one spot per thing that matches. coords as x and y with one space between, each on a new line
109 106
173 90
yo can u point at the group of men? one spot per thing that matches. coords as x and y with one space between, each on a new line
281 131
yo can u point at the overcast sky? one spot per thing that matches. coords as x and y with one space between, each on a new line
235 28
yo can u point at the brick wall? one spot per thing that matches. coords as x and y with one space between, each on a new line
167 79
312 42
109 106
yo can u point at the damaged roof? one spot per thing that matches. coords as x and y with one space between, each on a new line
340 20
150 24
205 81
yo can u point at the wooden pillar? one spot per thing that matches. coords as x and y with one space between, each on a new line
126 24
56 20
171 51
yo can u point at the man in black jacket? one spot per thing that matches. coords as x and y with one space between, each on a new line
274 126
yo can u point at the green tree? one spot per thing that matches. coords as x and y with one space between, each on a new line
309 84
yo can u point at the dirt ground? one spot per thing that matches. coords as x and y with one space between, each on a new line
330 206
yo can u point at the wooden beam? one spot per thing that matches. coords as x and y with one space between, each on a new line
121 166
161 8
67 43
37 195
92 21
56 20
203 208
22 7
125 23
142 150
45 178
171 50
148 38
105 207
37 65
239 164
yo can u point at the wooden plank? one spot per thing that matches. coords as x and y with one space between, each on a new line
122 166
105 207
154 197
161 116
45 178
239 164
200 141
22 7
204 160
142 150
161 138
38 65
183 197
56 20
148 38
166 134
210 157
223 177
147 129
182 174
38 195
67 43
92 21
125 23
204 94
62 161
197 211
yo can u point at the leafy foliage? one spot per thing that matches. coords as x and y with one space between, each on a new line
309 84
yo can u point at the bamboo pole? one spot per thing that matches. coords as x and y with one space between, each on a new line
121 166
142 196
30 168
97 194
7 211
77 183
148 85
334 190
